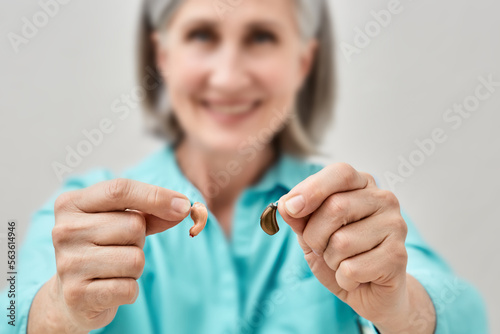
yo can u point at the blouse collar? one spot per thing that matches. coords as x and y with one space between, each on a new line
286 173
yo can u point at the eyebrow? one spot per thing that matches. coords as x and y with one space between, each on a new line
200 22
258 24
266 24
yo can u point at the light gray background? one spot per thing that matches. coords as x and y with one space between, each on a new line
393 92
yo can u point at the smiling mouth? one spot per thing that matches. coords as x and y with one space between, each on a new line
230 111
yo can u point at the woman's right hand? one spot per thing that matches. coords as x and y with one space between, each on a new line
99 235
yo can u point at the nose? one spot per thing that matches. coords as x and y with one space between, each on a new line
228 73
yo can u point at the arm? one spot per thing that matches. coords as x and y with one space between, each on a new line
36 258
46 313
36 263
354 239
35 266
458 306
98 237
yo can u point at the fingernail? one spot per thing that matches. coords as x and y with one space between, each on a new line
181 205
295 204
315 253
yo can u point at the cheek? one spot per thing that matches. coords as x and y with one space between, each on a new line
185 76
279 75
185 73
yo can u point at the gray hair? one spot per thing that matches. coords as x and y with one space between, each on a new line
313 105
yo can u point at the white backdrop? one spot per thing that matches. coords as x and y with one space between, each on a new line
401 81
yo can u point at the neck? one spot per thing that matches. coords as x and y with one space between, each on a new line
221 177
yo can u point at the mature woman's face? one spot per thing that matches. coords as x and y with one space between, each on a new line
232 76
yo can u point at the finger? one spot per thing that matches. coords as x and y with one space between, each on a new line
308 195
336 211
122 194
127 228
157 225
153 224
378 266
354 239
107 262
321 270
102 294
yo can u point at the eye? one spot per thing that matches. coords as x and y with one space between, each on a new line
262 37
202 35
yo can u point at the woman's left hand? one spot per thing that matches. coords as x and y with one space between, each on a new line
353 237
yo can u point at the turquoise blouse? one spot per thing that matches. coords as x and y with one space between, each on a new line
250 283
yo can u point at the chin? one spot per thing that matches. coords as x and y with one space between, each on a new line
228 143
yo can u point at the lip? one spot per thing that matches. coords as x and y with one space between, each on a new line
211 106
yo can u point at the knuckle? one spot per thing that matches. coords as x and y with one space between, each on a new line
154 196
337 205
388 197
105 295
130 291
340 242
347 269
118 291
401 225
311 239
61 233
306 236
73 295
397 255
116 189
63 201
370 178
62 264
346 173
401 256
314 191
68 263
93 317
58 235
331 257
136 225
138 261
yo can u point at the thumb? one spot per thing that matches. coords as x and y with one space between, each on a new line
297 224
156 225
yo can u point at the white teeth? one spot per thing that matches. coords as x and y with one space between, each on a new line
232 110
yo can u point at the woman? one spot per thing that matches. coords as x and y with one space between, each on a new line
248 87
